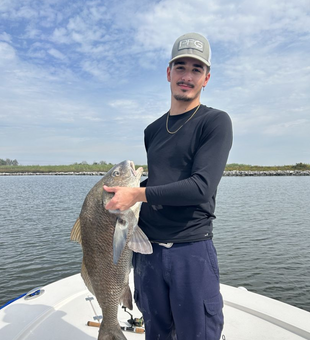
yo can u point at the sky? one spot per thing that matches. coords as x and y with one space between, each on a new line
80 80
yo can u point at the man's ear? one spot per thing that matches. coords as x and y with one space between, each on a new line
169 74
207 79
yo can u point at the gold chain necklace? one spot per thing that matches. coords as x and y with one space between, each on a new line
167 121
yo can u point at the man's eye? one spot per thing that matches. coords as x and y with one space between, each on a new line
197 70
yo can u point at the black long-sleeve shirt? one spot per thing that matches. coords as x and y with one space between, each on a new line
184 170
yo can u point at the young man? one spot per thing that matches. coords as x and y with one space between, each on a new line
177 287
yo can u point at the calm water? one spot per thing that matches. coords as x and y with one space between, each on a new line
262 233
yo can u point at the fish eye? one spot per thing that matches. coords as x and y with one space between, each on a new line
116 173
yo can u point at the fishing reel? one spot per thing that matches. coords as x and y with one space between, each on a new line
134 322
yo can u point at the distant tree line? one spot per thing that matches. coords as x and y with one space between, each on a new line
300 166
8 162
247 167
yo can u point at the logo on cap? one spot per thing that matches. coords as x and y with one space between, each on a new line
191 43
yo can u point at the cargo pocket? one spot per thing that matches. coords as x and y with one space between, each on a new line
214 317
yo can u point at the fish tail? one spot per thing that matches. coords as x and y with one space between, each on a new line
111 333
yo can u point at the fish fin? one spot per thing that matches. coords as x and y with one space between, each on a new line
76 232
126 298
119 239
86 278
139 243
108 333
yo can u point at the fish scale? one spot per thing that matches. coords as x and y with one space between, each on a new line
95 229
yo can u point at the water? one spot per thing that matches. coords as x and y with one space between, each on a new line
261 233
262 236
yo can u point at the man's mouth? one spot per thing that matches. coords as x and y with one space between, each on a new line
185 85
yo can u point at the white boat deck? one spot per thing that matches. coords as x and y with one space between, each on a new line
63 310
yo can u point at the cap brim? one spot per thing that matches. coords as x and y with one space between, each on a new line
191 56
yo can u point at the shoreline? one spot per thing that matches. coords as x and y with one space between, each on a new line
231 173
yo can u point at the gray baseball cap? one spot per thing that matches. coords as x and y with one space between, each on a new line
192 45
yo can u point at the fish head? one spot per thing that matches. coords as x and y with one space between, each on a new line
123 174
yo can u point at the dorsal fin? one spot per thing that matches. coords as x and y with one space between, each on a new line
76 232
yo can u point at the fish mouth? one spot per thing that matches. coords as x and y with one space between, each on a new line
135 172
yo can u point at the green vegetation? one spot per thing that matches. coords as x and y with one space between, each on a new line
76 167
10 166
246 167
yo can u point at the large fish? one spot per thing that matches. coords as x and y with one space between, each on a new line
105 237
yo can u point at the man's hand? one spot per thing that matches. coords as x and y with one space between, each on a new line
124 197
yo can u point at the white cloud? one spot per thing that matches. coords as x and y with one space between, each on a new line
244 23
7 52
5 37
60 35
288 128
56 54
124 103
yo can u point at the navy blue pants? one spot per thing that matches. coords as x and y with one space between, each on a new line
177 291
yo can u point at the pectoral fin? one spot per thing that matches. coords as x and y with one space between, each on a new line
119 240
139 243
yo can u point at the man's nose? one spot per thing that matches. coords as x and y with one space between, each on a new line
187 76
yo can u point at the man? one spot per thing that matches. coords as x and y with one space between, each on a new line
177 287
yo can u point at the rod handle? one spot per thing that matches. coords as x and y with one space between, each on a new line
93 324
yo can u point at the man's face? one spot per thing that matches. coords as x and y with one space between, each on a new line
187 76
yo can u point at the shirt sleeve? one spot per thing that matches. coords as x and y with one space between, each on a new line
207 170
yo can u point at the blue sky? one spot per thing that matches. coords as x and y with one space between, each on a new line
80 80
